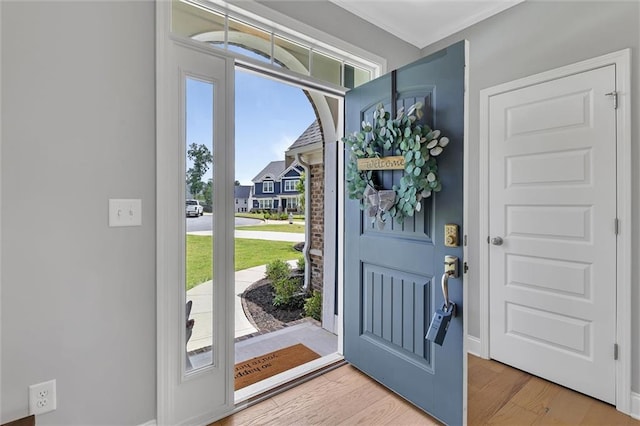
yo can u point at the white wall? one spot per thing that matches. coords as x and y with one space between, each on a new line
534 37
78 127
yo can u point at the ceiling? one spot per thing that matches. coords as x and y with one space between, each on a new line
423 22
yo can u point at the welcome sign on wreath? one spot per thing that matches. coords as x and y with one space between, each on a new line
415 147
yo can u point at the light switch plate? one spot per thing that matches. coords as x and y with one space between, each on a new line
125 212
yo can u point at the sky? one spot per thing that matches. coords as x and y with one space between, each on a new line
269 117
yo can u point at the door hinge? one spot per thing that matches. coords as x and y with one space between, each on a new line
615 351
614 95
616 225
465 240
465 267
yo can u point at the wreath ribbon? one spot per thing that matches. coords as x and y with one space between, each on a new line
379 203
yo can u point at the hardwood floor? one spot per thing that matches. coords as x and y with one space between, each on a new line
498 395
501 395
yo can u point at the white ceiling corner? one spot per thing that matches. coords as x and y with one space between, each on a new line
423 22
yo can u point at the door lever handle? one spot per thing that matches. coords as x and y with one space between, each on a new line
496 241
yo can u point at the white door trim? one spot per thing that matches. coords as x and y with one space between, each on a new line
174 406
465 246
622 60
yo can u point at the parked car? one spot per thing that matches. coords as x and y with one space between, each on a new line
193 208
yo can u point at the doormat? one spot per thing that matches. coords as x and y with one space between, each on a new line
261 367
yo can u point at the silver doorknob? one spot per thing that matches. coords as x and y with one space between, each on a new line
496 241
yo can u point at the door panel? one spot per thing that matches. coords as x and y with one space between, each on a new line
553 201
392 276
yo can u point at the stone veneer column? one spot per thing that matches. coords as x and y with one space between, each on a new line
315 202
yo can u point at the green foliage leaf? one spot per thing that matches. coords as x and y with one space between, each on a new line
403 136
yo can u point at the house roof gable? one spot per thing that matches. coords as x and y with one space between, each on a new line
242 191
293 171
273 169
312 135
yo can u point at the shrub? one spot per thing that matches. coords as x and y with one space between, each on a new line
313 306
301 263
287 292
284 216
267 216
278 270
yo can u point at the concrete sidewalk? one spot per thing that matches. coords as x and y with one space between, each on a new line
262 235
201 311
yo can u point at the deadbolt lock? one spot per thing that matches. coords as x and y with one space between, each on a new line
451 235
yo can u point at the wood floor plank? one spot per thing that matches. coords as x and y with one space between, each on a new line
385 411
512 414
363 398
248 414
310 407
413 418
566 407
603 414
536 395
494 395
324 389
479 375
498 395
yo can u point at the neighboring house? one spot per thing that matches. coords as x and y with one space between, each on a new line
275 187
242 196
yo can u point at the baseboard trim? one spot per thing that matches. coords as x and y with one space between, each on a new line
635 405
150 423
473 345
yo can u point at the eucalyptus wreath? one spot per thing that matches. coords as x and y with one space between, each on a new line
402 136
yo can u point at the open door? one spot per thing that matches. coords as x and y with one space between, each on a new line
392 279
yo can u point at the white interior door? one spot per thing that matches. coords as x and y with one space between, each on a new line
552 154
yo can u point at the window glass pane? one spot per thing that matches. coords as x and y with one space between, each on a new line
326 68
354 76
249 40
198 206
362 76
291 55
197 22
290 184
190 21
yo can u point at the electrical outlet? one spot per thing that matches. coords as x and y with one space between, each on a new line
42 397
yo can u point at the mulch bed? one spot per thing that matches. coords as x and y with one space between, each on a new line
257 303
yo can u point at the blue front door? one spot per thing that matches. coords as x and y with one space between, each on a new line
393 275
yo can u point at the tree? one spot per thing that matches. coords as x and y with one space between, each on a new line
300 187
201 157
208 193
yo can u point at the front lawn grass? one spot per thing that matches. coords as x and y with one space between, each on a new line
248 253
295 228
259 216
